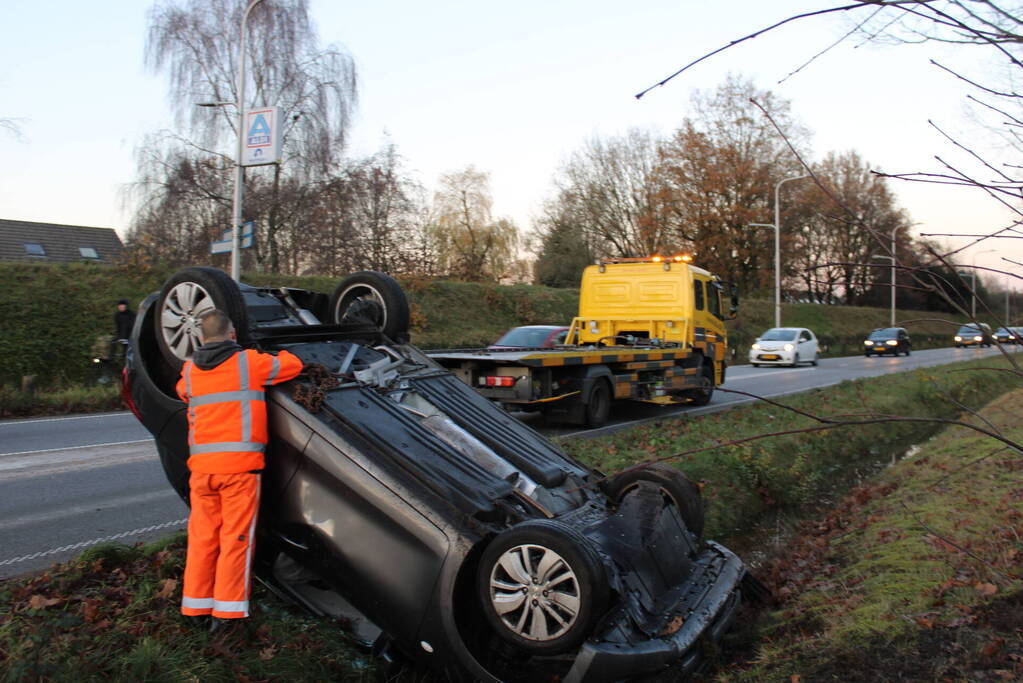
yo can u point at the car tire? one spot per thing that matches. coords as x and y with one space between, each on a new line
598 404
795 361
186 295
376 298
702 396
756 365
816 356
674 485
542 586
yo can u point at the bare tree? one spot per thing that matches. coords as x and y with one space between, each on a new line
195 42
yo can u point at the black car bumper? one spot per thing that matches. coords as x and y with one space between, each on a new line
703 612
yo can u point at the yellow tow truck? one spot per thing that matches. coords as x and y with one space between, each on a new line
649 329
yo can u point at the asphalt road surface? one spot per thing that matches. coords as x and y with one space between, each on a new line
69 483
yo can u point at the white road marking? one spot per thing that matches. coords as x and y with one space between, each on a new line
95 541
4 423
71 448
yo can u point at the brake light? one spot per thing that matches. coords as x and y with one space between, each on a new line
497 381
126 394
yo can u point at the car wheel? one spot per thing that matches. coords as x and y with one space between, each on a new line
676 488
816 356
542 586
185 296
702 396
756 365
374 298
795 360
598 403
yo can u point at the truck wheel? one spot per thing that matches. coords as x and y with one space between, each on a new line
375 298
676 488
702 396
185 296
542 586
598 404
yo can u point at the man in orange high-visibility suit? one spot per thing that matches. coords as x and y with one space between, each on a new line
227 433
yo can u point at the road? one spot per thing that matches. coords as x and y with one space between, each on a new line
68 483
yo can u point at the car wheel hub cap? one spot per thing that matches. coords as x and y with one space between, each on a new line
179 318
535 592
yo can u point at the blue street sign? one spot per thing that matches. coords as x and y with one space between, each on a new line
223 246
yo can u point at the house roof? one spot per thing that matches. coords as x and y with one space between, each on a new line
57 243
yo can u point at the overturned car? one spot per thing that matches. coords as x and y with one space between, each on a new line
474 545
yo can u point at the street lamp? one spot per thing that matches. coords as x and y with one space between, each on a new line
973 282
892 259
777 245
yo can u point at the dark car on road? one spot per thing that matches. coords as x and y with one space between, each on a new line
474 546
973 334
893 340
532 337
1007 335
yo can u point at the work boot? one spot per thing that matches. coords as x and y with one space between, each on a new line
199 622
228 628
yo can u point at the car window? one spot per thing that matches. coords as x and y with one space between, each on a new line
778 334
804 336
968 329
559 338
524 336
884 333
698 294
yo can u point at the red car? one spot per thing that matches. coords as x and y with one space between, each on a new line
531 337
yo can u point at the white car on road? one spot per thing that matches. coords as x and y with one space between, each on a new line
785 346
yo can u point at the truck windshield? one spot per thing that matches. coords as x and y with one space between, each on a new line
779 334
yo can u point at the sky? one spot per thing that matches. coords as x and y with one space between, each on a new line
510 89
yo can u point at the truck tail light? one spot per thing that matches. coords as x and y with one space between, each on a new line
497 381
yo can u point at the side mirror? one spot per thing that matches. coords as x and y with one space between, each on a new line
733 311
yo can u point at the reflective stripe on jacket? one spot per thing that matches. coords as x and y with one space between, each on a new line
227 409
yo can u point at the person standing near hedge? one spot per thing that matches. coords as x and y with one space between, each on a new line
124 320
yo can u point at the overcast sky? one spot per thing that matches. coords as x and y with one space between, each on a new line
509 88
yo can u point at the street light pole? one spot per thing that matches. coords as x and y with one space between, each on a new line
239 170
777 245
892 259
973 282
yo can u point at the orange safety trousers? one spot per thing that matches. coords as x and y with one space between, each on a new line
221 542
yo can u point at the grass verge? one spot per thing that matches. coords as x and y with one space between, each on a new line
72 399
767 482
112 614
914 576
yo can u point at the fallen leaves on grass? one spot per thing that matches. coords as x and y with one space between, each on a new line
167 588
39 602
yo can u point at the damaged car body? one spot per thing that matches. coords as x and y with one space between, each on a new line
473 544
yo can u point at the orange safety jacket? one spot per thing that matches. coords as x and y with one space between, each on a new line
227 431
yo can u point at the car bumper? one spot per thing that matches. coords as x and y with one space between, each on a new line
882 349
705 611
772 357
